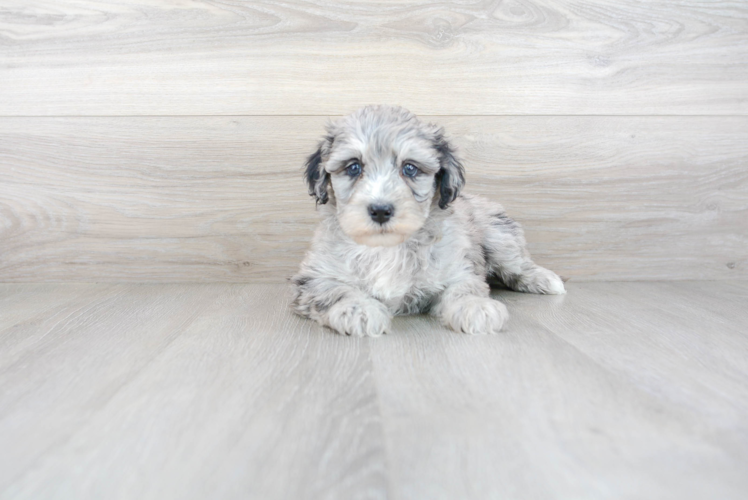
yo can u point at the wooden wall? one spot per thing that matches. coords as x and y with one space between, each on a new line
163 141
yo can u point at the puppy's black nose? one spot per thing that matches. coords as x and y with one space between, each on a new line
381 213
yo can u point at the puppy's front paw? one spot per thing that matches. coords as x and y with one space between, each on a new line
476 315
367 317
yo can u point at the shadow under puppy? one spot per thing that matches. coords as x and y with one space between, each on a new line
397 237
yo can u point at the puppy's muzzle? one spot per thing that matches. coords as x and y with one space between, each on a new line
381 213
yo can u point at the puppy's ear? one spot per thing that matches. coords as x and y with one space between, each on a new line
451 176
316 177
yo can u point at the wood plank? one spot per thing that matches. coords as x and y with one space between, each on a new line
81 57
602 393
615 390
28 301
221 198
156 199
190 391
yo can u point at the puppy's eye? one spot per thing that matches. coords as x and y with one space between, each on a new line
353 170
410 170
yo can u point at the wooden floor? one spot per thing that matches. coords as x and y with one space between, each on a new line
616 390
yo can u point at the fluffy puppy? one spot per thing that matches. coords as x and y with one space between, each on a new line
397 237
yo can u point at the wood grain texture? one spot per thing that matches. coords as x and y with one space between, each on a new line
170 199
135 57
611 391
178 391
615 390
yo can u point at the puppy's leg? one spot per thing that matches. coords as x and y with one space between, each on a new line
507 257
466 307
343 308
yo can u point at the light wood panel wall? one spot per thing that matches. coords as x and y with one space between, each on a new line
222 198
162 141
140 57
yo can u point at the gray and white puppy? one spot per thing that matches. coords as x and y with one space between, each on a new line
397 237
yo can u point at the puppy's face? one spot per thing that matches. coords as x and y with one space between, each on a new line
384 171
383 177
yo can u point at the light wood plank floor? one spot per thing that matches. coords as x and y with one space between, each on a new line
616 390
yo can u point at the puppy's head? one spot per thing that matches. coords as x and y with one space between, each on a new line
384 171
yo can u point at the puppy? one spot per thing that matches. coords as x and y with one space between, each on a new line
398 237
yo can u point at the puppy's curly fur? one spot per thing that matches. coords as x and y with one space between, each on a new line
398 237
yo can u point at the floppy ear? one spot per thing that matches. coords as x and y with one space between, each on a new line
316 176
451 176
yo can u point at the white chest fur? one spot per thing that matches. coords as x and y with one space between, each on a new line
404 275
